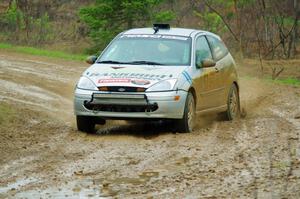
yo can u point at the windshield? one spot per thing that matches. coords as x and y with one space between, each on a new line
148 49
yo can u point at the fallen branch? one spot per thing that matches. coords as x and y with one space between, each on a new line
224 21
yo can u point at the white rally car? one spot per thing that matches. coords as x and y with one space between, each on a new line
158 73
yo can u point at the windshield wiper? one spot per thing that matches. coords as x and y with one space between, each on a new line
144 62
133 62
110 62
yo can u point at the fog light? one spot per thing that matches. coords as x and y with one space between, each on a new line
103 88
140 90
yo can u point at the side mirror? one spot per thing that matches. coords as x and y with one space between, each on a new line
91 59
206 63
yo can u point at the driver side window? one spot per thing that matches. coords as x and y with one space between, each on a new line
202 50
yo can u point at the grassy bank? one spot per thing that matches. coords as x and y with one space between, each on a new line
42 52
285 81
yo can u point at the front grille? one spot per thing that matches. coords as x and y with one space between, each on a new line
120 102
121 108
121 89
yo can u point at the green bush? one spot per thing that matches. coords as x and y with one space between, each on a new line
24 27
13 18
107 18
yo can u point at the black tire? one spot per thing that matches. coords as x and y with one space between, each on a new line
187 123
233 103
86 123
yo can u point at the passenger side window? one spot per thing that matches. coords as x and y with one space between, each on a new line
202 50
218 48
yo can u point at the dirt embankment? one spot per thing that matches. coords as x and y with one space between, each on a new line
42 155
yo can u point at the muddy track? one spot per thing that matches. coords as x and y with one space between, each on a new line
42 154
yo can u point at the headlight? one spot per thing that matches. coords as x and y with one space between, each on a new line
86 83
165 85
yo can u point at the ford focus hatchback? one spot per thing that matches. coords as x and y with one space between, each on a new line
158 73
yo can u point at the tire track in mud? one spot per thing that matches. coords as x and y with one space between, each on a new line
39 84
279 153
254 157
36 85
293 148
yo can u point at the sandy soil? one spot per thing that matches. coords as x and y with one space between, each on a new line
43 156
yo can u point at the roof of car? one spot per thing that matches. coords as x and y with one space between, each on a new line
172 31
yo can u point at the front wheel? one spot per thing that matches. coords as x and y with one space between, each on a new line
187 123
233 103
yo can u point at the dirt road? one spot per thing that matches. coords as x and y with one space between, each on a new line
42 154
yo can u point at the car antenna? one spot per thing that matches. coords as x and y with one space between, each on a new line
158 26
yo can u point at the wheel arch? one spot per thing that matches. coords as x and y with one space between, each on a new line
193 91
237 86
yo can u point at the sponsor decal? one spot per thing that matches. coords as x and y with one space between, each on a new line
140 82
94 75
114 80
156 37
121 80
130 76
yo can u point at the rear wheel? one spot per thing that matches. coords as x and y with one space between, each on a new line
86 123
187 123
233 103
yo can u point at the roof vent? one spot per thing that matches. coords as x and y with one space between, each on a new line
158 26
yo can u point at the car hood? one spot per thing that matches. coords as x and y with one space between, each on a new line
131 75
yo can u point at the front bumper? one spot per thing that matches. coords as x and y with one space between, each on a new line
157 105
